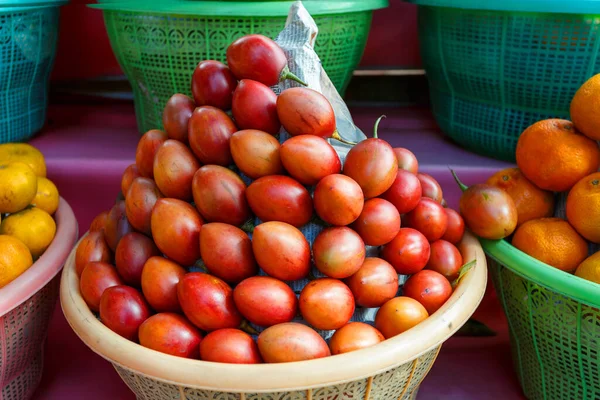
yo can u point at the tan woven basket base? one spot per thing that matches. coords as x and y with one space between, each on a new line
400 383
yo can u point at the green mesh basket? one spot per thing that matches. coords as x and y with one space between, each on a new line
493 73
554 322
158 45
28 36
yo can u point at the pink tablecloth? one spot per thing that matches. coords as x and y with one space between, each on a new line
87 147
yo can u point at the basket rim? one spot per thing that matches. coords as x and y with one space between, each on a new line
240 8
292 376
541 273
47 266
29 4
591 7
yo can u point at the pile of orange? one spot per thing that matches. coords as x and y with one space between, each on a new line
27 202
559 159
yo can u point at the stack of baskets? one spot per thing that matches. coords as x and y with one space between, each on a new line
28 36
495 67
158 43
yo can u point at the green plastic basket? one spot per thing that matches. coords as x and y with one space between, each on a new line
28 36
554 322
158 44
492 73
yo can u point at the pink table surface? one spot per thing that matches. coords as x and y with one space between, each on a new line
87 147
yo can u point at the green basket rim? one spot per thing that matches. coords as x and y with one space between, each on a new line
541 273
243 8
536 6
17 4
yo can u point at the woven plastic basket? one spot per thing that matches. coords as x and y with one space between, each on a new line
554 322
158 44
392 369
28 36
26 306
493 72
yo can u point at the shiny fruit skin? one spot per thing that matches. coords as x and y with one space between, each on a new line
133 251
256 153
146 151
445 259
18 188
171 334
408 252
159 283
227 252
231 346
92 247
213 84
378 223
280 198
338 252
99 222
220 195
374 283
209 132
399 315
95 279
405 192
176 115
32 226
290 342
304 111
373 165
25 153
176 230
489 212
15 259
354 336
174 168
338 200
429 288
117 225
123 309
256 57
255 107
47 197
406 160
129 175
281 250
207 302
429 218
139 202
265 301
430 187
309 158
326 303
456 227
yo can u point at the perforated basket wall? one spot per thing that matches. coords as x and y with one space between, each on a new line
555 340
158 52
494 73
400 383
28 37
22 336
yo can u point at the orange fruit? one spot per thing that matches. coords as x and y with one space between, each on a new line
554 155
18 187
33 226
47 196
585 108
583 207
25 153
15 258
589 269
531 201
552 241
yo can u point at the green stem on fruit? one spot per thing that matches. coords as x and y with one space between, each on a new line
462 186
376 127
463 271
248 226
287 74
245 326
336 135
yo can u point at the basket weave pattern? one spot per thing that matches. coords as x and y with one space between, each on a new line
22 336
401 382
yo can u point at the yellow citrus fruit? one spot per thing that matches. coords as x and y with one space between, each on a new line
26 153
33 226
583 207
47 195
585 108
15 258
18 187
552 241
590 268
